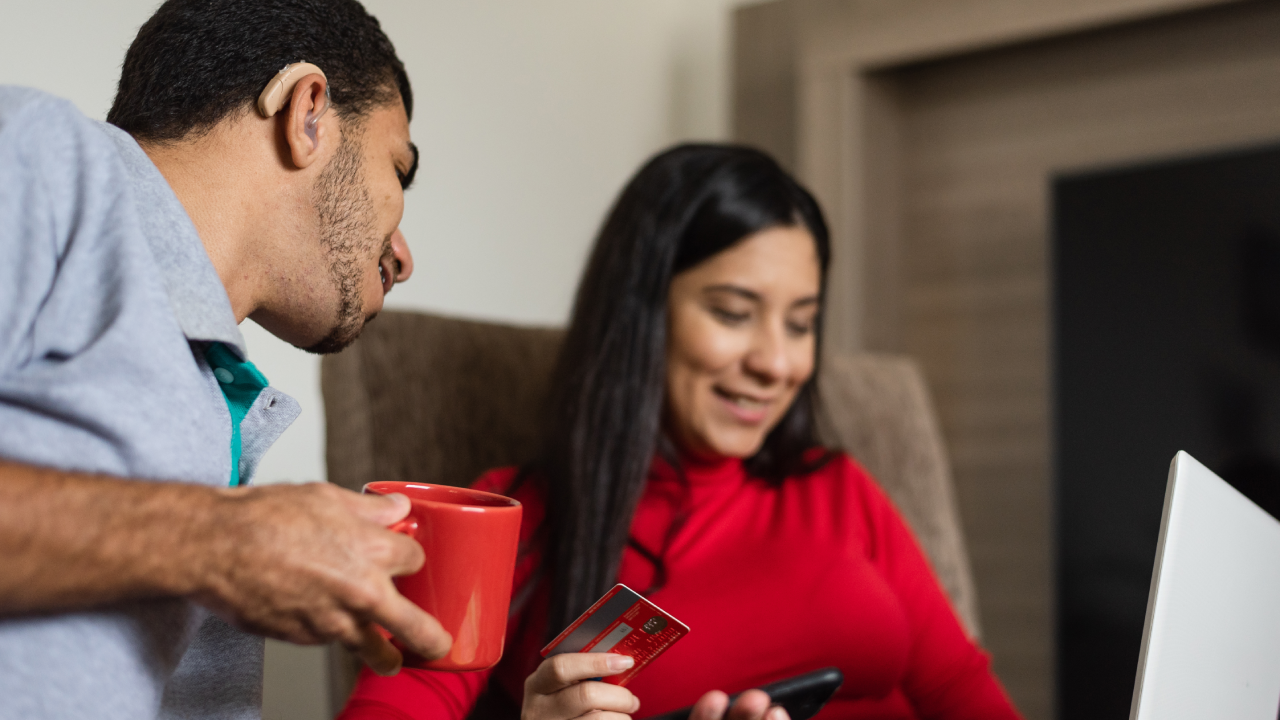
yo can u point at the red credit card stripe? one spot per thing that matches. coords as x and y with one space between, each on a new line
584 617
610 639
590 647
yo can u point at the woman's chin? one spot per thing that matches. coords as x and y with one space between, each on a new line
734 445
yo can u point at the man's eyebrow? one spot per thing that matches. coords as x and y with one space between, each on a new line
407 179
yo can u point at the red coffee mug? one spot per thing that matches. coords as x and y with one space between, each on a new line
470 540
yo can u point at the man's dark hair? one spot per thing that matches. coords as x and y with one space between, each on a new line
196 62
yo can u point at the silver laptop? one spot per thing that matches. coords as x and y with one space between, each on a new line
1211 644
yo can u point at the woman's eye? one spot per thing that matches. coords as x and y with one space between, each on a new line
729 317
799 329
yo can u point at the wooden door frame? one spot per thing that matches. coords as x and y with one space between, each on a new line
805 89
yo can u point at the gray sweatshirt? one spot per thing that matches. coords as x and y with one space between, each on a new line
107 303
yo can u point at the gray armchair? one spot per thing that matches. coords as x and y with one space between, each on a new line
425 398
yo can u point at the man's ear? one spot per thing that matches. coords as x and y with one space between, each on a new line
304 132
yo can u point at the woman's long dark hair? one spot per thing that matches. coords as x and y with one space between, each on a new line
685 205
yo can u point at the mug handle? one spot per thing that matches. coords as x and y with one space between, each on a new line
407 526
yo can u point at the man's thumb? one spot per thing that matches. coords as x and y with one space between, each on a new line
382 509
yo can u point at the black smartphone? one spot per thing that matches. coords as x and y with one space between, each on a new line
801 696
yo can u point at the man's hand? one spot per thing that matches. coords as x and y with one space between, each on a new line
561 688
750 705
304 563
313 563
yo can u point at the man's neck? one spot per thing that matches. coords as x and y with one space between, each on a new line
226 196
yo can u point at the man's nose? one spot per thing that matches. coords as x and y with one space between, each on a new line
400 249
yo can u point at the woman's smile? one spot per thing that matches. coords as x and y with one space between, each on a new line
747 409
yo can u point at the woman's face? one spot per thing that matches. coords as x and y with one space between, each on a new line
741 341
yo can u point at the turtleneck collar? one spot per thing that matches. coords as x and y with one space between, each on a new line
698 472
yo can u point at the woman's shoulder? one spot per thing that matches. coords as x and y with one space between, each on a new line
841 477
498 481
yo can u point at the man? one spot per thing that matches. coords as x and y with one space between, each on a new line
136 569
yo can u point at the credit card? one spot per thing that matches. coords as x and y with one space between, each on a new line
621 622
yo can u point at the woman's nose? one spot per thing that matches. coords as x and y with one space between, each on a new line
404 258
767 359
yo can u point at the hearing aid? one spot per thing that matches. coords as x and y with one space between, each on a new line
280 88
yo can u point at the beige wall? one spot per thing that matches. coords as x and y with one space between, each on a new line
530 116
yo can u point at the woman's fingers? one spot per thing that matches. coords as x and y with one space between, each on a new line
751 705
591 697
711 706
561 689
560 671
599 715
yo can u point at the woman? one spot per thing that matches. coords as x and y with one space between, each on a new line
681 460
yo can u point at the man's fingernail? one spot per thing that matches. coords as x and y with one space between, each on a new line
635 705
776 713
388 671
618 663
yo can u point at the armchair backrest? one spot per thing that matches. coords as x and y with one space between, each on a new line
425 398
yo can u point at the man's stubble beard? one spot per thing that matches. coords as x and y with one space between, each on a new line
348 234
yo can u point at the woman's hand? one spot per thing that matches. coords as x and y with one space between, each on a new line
561 688
750 705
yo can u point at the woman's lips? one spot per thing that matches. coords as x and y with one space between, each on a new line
745 408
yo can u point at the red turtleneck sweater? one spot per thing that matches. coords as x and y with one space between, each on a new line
772 580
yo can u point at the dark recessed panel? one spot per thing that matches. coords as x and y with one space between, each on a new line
1167 337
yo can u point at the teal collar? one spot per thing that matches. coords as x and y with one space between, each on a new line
241 384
